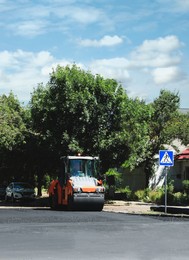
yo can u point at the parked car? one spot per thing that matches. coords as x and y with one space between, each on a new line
2 191
19 191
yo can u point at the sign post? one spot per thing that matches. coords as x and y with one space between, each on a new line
166 171
166 158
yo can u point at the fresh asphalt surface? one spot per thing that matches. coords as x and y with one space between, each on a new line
40 233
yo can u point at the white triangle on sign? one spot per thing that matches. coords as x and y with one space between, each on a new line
166 158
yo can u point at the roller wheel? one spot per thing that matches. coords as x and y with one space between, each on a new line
53 201
70 203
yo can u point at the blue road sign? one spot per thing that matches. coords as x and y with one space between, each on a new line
166 158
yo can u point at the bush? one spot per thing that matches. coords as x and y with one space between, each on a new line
185 184
142 195
125 192
46 181
148 195
113 177
170 187
180 198
156 196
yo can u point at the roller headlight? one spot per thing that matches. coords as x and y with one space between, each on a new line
76 189
99 189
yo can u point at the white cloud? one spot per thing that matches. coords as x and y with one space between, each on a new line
176 6
161 52
29 28
105 41
85 15
158 58
21 71
166 44
29 19
42 58
166 75
150 59
7 59
149 64
182 5
111 68
20 59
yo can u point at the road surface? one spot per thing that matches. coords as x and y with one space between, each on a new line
28 233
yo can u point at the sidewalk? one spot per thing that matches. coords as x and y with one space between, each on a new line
118 206
141 208
131 207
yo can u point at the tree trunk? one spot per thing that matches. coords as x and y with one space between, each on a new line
39 186
148 171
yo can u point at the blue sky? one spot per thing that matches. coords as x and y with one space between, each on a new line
143 44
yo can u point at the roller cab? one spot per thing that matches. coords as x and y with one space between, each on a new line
79 185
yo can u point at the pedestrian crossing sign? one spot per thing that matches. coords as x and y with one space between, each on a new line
166 158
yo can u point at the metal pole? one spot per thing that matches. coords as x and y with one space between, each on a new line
166 169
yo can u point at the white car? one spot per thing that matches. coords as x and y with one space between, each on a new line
19 191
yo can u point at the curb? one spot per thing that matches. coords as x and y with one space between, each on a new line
152 214
172 210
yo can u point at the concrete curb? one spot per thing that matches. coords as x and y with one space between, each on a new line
146 209
117 206
175 210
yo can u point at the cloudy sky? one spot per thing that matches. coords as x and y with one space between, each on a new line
143 44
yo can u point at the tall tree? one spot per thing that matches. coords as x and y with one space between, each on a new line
165 109
137 120
12 126
183 128
80 112
179 127
13 131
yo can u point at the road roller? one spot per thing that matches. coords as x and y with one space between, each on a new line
79 185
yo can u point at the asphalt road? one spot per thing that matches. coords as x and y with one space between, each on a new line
27 233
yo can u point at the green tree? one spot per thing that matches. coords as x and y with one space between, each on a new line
179 127
137 118
80 112
12 126
149 128
13 131
165 110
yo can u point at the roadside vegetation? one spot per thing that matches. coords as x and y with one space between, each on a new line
156 196
77 111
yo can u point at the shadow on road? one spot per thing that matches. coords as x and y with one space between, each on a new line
38 202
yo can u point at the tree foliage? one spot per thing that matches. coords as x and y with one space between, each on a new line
13 135
12 126
179 127
165 109
79 112
137 119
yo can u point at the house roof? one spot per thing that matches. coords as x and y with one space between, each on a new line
183 155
